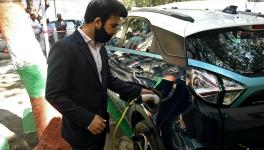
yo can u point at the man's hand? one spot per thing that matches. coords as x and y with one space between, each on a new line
146 91
150 98
98 125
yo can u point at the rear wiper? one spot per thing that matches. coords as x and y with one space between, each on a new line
258 70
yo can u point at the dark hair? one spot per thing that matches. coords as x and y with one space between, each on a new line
104 9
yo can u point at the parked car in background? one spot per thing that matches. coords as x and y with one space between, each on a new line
208 67
72 25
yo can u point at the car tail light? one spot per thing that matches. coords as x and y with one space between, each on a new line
213 88
258 27
232 90
205 85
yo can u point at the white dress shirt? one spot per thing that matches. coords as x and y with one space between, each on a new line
95 50
35 26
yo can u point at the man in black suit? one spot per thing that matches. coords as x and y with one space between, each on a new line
79 76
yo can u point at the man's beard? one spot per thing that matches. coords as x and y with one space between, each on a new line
101 35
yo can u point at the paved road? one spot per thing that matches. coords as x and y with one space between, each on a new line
14 99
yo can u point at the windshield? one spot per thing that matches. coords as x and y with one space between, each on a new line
234 49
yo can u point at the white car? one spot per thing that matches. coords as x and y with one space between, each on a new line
72 25
208 67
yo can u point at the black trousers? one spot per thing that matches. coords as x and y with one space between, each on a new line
95 146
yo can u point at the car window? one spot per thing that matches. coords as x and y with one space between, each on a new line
116 39
139 35
70 25
234 49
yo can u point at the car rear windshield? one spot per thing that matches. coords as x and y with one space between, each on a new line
235 49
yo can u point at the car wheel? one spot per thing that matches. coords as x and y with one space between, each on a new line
178 142
144 137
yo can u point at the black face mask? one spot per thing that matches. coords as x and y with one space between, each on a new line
101 35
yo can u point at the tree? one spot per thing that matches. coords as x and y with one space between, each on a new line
148 3
31 66
30 7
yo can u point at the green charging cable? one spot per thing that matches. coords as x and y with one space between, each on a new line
119 122
246 148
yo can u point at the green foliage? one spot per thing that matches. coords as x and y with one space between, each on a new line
148 3
30 8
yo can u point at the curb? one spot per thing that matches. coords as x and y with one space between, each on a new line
3 143
28 121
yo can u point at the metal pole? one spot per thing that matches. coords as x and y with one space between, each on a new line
45 28
246 6
55 8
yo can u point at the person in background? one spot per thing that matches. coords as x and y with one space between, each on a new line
51 29
61 26
79 75
37 28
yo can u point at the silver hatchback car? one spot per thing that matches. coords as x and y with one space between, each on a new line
208 67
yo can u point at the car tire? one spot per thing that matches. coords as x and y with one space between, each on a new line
179 142
145 138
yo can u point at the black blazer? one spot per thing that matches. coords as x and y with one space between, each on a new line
74 89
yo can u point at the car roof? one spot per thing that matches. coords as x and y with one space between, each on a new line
185 22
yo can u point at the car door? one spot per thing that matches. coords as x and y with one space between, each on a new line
130 54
